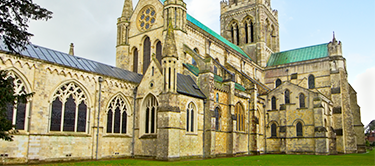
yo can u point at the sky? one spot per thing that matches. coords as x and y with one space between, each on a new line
91 26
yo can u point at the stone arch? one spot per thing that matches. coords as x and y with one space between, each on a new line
22 77
70 108
118 103
218 117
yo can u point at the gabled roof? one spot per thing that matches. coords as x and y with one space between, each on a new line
187 86
214 34
299 55
60 58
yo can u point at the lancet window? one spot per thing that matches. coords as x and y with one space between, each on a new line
190 118
217 118
151 106
299 129
135 60
159 51
146 54
235 33
273 103
69 109
117 116
273 130
302 103
311 82
249 31
240 115
287 96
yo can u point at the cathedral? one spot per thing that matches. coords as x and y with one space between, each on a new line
181 91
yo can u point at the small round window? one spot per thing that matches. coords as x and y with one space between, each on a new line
146 18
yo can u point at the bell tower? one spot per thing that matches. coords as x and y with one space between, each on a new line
253 26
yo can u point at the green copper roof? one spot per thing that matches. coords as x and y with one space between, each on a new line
192 69
239 87
298 55
214 34
218 78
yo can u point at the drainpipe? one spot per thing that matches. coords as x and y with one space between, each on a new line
134 112
100 80
204 125
248 137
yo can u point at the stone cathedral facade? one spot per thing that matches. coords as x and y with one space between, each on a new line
180 90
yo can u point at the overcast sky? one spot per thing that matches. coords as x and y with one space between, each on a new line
91 26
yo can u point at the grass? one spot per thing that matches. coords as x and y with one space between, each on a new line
262 160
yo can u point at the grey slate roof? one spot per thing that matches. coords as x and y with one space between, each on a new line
187 86
60 58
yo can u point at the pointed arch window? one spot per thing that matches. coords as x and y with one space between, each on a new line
240 115
117 116
190 118
311 82
302 103
273 103
69 109
273 130
278 83
159 52
249 31
217 118
235 33
146 54
287 96
135 60
299 129
150 107
17 113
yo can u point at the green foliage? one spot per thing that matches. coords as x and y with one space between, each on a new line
7 98
14 17
350 159
367 143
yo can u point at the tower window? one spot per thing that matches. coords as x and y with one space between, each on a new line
299 129
146 54
287 97
302 101
311 82
273 130
278 83
190 115
273 103
135 60
159 51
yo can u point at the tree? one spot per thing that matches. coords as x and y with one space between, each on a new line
8 98
14 18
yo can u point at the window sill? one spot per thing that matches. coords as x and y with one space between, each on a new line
118 135
52 133
149 136
191 134
273 110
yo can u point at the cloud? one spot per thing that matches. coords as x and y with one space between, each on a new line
364 85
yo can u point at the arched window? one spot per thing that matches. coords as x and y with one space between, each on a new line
235 33
311 82
151 106
287 97
117 116
273 103
273 130
196 50
135 60
217 97
240 114
302 101
17 113
159 51
278 83
217 118
249 31
69 109
190 115
299 129
146 54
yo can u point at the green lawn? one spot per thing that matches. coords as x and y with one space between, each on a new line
351 159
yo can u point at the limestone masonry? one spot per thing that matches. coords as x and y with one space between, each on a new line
182 91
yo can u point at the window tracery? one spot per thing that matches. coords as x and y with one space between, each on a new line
17 113
151 106
117 116
240 114
69 109
146 18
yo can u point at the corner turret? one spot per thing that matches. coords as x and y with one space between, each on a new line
334 47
